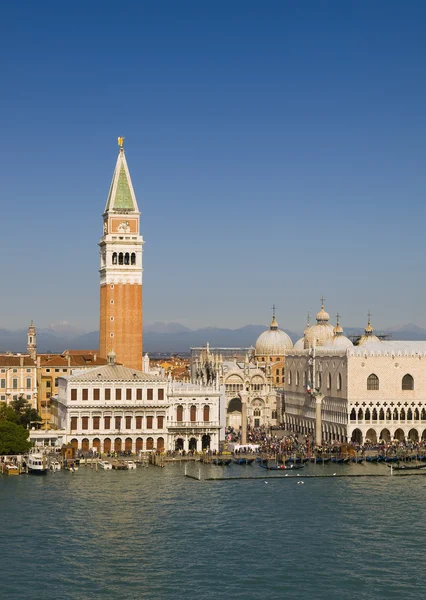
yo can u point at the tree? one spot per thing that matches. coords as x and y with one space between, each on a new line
13 438
25 414
7 413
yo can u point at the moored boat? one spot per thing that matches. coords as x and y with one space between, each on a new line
400 467
104 464
10 469
36 464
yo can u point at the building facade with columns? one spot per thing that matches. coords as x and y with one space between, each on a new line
115 408
372 391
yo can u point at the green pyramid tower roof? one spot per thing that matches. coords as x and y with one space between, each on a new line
121 196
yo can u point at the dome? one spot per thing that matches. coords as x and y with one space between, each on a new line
320 333
368 337
300 344
339 340
273 342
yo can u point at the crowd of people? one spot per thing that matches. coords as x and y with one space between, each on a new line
277 441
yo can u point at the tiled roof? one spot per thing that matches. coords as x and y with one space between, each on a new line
115 373
84 359
7 360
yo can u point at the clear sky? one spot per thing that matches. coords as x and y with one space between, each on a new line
276 148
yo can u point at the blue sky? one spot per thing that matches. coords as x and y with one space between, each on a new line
276 149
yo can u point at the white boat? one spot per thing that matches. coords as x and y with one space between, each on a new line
131 465
55 466
37 464
104 464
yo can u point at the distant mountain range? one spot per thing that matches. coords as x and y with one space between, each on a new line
170 337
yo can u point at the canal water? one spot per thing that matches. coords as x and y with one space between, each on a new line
153 534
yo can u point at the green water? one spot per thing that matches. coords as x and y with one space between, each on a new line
154 534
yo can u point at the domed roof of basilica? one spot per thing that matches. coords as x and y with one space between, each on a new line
320 333
300 344
273 342
339 340
368 337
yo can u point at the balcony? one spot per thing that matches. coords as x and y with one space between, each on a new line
192 424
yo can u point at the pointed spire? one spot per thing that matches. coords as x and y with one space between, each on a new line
274 324
338 330
121 197
369 329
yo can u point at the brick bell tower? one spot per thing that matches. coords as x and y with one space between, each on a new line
121 271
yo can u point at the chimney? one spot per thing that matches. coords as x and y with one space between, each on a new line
21 361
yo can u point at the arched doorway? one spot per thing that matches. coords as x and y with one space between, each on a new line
234 410
357 436
128 445
205 442
139 444
413 435
150 443
399 435
85 445
385 435
160 444
423 435
117 445
97 445
74 444
179 444
107 445
192 444
371 436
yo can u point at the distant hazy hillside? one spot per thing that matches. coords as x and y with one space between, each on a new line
170 337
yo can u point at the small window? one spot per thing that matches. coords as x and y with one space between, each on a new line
48 384
47 370
407 382
73 394
85 394
139 394
128 422
372 382
138 422
149 422
107 422
96 394
96 422
128 393
133 259
15 384
118 394
56 381
85 422
161 394
160 422
3 383
150 394
28 370
56 370
28 383
118 422
111 335
107 394
73 423
111 301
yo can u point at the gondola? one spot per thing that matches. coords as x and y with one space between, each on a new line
406 467
357 460
243 461
320 461
282 467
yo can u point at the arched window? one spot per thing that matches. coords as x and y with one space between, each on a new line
407 382
395 415
193 414
127 258
372 382
409 415
367 414
353 415
329 381
114 258
416 414
206 414
388 415
297 377
360 415
120 258
179 414
339 381
289 378
402 415
133 258
374 414
150 443
257 412
382 415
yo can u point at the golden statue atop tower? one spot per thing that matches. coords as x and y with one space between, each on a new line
120 141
